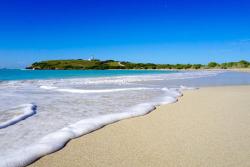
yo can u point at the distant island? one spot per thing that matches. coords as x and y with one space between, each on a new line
95 64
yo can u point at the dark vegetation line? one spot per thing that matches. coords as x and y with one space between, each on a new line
96 64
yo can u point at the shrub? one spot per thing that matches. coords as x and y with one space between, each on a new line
212 64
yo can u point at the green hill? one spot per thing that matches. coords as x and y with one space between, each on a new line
111 64
75 65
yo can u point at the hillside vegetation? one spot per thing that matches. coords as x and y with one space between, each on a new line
111 64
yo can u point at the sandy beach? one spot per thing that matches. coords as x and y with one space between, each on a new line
207 127
241 70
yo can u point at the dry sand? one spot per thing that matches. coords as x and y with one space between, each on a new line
240 70
207 127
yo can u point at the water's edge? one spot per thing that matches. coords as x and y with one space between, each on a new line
56 141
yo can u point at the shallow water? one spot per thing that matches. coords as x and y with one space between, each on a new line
20 74
58 110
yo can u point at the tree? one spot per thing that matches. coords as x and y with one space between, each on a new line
212 64
243 64
224 65
196 66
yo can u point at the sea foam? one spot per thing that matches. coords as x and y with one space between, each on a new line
55 141
91 91
17 114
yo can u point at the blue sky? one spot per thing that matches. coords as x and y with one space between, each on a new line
158 31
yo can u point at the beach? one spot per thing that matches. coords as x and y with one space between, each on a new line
241 70
125 83
206 127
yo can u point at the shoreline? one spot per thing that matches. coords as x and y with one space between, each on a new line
91 147
171 69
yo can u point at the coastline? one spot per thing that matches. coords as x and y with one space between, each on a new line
213 131
240 70
247 70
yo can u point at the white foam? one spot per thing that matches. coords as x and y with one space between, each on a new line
174 92
119 80
55 141
91 91
17 114
48 87
187 88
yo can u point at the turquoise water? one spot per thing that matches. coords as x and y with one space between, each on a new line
7 74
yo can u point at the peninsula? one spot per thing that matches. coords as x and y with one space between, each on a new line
96 64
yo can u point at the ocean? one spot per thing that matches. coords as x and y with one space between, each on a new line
42 110
19 74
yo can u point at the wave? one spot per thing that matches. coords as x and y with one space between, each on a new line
57 140
17 114
118 80
91 91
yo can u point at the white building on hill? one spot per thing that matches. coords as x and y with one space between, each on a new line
91 58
